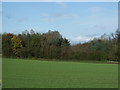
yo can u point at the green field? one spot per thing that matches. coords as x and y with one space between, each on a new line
0 72
18 73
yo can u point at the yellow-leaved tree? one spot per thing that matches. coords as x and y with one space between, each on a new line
17 44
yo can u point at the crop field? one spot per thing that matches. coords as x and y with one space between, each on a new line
18 73
0 72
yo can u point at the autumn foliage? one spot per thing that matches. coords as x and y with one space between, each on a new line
52 45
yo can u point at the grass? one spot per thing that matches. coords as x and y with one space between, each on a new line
19 73
0 73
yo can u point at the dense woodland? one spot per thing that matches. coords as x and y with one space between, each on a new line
52 45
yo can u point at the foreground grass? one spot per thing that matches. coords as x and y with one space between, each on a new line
0 73
18 73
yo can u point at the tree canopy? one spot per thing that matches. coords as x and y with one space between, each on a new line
52 45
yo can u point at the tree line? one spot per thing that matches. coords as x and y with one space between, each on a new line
52 45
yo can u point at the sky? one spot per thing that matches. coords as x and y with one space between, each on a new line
0 17
77 21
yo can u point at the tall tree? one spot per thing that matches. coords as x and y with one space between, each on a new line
17 45
118 43
7 45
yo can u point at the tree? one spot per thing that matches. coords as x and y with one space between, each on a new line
64 48
118 43
7 45
17 45
52 45
0 43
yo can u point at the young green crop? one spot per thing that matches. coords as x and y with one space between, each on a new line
18 73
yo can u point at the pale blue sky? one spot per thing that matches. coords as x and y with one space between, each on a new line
77 21
0 17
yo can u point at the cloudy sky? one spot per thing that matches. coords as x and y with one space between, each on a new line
77 21
0 17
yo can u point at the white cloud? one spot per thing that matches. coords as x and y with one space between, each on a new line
22 19
96 9
62 4
58 16
99 27
80 39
